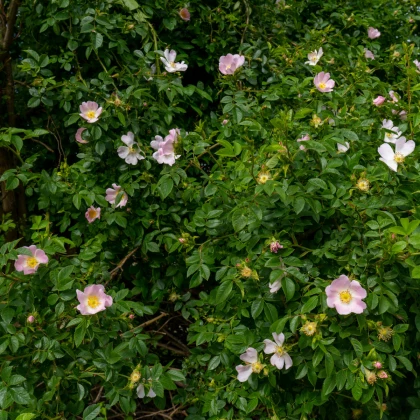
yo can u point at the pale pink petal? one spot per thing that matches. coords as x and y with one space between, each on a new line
41 256
79 137
244 372
277 361
151 393
386 152
140 391
391 163
123 151
287 361
357 290
270 346
278 338
250 356
403 147
128 138
20 263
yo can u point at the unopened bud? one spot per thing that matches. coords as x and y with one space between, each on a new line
31 319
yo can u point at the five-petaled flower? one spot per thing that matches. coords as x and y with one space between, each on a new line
29 263
79 137
92 214
280 359
373 33
378 101
314 57
165 148
131 152
90 111
250 357
169 62
141 392
93 300
112 193
346 296
392 135
393 96
402 149
323 82
228 64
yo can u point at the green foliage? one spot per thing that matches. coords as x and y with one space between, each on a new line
188 261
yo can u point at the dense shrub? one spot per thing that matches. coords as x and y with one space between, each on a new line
264 197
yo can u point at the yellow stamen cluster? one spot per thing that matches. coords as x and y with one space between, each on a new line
345 296
263 177
91 114
246 272
399 157
363 184
322 85
309 328
385 333
93 301
257 367
32 262
135 376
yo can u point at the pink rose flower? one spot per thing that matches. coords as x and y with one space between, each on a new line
31 319
346 296
93 300
382 374
250 357
402 149
185 14
378 101
79 137
323 82
165 148
228 64
224 122
280 359
314 57
112 193
275 246
373 33
92 214
393 133
369 54
377 365
131 153
169 62
393 96
90 111
29 264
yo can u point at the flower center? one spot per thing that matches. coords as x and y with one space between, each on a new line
131 149
172 64
279 350
32 262
346 296
363 184
91 114
322 85
228 66
399 157
257 367
93 301
92 213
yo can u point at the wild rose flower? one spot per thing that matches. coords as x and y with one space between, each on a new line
314 57
228 64
165 148
342 148
79 137
185 14
303 138
373 33
250 357
29 264
402 149
141 393
391 137
90 111
93 300
131 152
369 54
377 365
30 319
323 82
112 193
280 358
169 62
263 177
378 101
92 214
275 246
224 122
382 374
417 64
393 96
275 287
346 296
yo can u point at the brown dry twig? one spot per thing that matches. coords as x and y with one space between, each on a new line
114 272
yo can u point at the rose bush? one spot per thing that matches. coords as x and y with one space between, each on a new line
257 256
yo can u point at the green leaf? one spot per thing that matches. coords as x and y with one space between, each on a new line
130 4
20 395
224 291
257 307
329 385
97 40
348 134
310 304
357 390
214 362
415 415
26 416
358 348
314 145
176 375
239 220
299 204
91 412
79 333
288 286
165 186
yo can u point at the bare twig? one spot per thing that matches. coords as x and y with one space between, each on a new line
40 142
98 397
173 349
114 272
151 321
180 343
